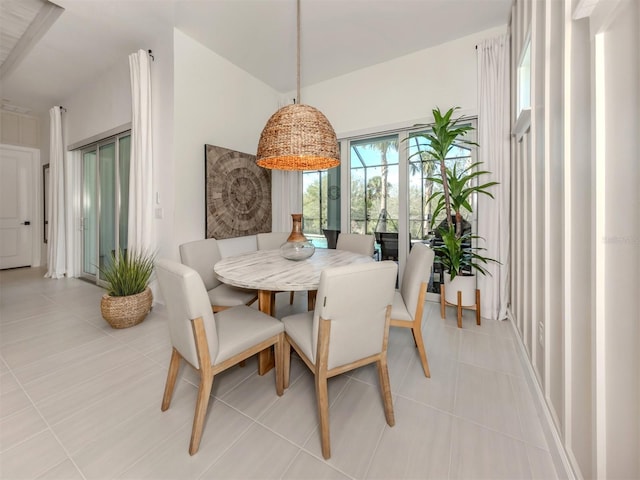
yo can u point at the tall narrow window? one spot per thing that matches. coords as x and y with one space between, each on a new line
374 185
523 95
321 205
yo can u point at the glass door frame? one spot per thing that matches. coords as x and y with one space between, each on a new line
95 148
403 197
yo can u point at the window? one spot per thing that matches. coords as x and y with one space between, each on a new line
523 107
320 204
374 185
524 79
381 171
422 168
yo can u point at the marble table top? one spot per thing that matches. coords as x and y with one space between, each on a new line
268 270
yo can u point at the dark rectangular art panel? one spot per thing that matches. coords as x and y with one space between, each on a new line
237 194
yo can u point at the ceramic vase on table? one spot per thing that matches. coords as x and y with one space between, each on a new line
297 246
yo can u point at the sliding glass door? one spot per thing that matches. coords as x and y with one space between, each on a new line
382 188
105 177
387 182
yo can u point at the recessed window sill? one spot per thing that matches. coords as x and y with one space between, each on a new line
523 123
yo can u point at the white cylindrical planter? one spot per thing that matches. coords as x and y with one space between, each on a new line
462 283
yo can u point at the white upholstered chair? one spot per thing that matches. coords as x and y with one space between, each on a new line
201 255
349 328
210 343
356 243
271 240
408 302
229 247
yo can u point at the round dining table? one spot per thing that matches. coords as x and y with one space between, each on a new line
268 272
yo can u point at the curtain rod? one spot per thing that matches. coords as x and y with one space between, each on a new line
153 59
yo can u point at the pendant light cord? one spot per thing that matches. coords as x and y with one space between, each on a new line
298 53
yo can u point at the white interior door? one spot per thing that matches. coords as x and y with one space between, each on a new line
17 200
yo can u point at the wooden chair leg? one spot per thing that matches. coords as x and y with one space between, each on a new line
322 398
286 362
385 388
478 307
266 361
172 375
204 391
459 309
279 350
442 300
417 338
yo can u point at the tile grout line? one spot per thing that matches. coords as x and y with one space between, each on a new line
455 401
53 433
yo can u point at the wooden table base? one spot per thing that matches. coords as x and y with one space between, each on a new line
267 304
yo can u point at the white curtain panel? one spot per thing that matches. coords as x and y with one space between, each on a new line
286 198
73 202
141 172
56 234
494 151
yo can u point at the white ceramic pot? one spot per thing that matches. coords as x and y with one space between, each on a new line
462 283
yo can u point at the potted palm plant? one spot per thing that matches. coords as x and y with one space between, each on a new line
457 253
129 298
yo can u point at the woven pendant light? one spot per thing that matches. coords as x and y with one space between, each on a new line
298 137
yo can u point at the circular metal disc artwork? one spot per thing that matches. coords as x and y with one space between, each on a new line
238 194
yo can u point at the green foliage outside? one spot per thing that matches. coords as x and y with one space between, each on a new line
311 207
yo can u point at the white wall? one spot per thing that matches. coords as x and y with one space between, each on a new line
616 131
575 286
103 104
402 91
215 103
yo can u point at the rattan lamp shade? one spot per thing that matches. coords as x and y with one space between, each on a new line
298 137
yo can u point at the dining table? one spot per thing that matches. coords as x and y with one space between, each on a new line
268 272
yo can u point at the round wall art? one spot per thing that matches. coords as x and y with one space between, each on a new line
238 194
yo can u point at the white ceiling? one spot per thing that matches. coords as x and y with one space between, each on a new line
338 36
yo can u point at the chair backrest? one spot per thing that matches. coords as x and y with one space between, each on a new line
186 299
355 299
237 245
202 255
356 243
271 240
388 245
416 271
331 236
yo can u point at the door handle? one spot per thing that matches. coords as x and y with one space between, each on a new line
27 222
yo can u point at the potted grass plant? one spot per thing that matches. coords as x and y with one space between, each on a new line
457 253
128 299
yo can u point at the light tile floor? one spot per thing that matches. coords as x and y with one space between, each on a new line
79 400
